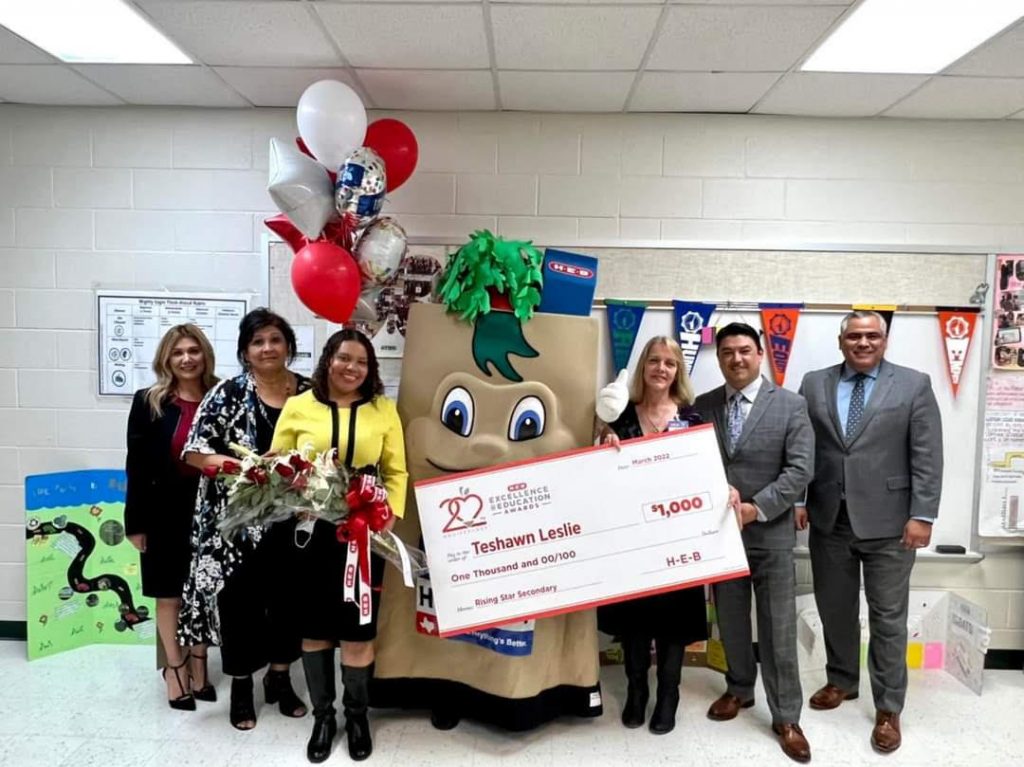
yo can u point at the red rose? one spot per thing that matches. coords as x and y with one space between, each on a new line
211 471
231 467
299 463
257 475
284 470
299 482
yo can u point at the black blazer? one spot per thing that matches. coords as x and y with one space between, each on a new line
155 481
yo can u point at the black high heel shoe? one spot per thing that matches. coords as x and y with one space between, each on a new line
185 701
277 687
242 707
207 693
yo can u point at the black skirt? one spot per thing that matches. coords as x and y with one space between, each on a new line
679 616
168 555
312 574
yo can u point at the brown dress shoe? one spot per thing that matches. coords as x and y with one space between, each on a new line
794 744
831 696
727 706
886 738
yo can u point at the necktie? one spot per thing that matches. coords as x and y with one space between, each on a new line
735 419
853 415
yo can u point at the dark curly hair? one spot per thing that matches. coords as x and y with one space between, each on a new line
369 388
254 322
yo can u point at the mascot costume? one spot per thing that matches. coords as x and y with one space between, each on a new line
486 381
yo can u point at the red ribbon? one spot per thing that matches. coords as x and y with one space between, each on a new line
367 510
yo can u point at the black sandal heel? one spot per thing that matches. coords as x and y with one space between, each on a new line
277 687
207 693
185 701
242 707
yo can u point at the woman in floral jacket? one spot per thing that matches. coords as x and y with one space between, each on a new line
230 597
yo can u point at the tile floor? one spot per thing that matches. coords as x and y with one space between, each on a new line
103 706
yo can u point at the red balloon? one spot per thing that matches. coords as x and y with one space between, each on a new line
338 232
325 277
395 142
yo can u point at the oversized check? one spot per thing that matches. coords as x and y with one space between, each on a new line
578 529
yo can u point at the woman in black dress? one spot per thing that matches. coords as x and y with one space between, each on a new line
661 399
235 595
161 495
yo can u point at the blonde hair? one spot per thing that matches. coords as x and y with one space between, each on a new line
165 381
681 390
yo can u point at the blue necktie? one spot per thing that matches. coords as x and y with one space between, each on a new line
735 419
853 415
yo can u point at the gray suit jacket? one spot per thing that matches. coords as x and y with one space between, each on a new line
891 467
773 460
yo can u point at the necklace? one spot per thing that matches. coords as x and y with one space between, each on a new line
283 386
651 424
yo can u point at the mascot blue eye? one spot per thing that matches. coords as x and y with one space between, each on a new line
457 411
527 420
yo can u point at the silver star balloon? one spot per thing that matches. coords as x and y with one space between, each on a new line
301 188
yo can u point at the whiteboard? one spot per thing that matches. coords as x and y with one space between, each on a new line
915 341
131 323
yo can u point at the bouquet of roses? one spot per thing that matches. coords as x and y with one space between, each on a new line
264 489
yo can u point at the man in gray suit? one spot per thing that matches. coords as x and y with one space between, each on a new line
767 446
875 494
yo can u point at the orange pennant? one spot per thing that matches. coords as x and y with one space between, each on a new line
957 328
779 324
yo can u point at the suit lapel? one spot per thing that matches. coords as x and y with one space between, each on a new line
721 423
882 388
831 392
757 410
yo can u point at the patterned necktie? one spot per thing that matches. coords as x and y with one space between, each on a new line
853 415
735 419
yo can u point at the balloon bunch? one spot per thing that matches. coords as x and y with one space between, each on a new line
330 189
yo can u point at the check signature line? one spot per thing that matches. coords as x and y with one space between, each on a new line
576 561
675 567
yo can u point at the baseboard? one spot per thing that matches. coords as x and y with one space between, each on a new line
995 659
13 630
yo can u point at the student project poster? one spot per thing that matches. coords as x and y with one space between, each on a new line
82 574
1007 340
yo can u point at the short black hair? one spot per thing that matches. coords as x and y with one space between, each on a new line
738 329
254 322
368 389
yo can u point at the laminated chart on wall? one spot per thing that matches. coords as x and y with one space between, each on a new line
131 324
1001 505
82 575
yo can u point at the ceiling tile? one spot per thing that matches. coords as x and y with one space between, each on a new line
977 98
14 50
408 36
565 91
1002 57
435 90
700 91
825 94
171 85
576 37
49 84
245 33
738 38
277 87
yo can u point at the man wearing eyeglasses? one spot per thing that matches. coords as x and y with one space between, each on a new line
871 504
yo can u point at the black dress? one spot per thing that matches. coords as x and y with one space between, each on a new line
678 616
160 498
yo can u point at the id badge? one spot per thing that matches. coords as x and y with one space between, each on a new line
676 425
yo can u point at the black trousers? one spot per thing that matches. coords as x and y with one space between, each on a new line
254 625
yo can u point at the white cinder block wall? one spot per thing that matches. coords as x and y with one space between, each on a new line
155 198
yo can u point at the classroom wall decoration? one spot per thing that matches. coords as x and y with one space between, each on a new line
82 574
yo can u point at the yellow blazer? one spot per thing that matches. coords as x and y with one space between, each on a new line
368 433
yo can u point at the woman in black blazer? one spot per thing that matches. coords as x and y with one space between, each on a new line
161 496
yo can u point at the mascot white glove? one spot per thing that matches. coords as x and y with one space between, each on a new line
613 398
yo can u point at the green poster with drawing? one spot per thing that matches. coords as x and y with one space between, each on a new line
82 575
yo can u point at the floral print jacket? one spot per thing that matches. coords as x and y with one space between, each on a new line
228 414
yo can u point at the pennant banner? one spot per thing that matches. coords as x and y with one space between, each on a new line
886 310
624 319
690 320
957 328
779 322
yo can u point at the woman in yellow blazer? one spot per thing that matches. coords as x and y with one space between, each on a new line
345 410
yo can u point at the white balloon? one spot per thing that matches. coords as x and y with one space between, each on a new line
331 120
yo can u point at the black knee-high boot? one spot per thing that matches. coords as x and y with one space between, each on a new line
670 667
319 667
356 701
636 653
